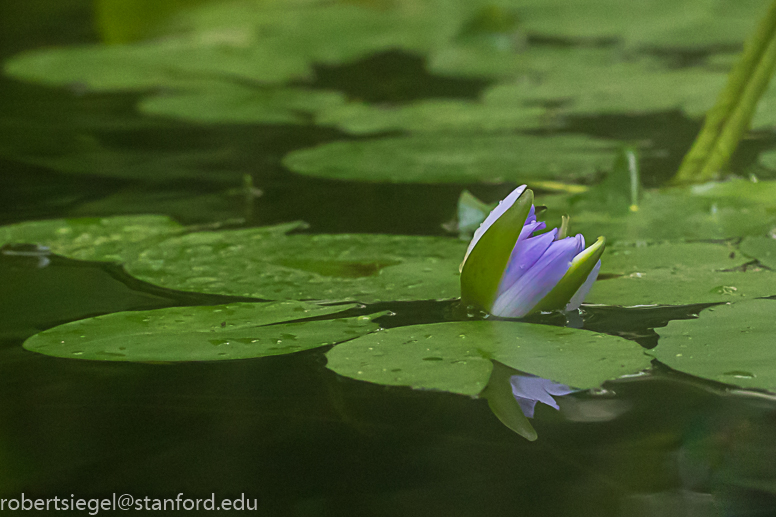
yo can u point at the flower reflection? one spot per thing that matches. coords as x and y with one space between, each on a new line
529 389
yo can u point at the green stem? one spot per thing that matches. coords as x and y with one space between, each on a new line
731 116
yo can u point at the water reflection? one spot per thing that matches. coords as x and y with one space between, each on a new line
28 254
529 389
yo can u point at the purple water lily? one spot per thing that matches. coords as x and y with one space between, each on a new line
510 270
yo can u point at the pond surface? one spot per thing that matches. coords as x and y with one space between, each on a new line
282 428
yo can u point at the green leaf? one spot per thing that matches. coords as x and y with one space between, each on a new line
436 158
456 356
471 213
668 24
257 263
760 248
625 259
581 81
103 238
222 102
717 210
678 274
681 286
728 343
732 114
210 333
434 115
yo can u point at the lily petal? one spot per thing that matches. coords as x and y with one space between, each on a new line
525 255
521 298
581 293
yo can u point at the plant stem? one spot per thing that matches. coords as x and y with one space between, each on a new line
731 116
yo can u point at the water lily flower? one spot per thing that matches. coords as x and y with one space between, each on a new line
511 271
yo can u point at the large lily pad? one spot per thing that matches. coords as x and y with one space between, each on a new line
263 42
434 158
222 102
593 86
116 239
658 23
676 273
252 262
93 238
627 259
681 286
442 115
457 357
761 248
210 333
728 343
720 210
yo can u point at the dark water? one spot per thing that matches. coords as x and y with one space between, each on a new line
286 431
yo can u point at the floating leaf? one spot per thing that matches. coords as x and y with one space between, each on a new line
209 333
728 343
626 259
682 285
437 158
222 102
688 24
105 238
253 262
721 210
261 42
583 83
434 115
457 357
762 249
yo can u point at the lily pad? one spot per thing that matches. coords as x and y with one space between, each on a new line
169 62
728 343
682 285
252 262
222 102
262 42
457 357
210 333
592 86
624 259
677 273
116 238
762 249
434 115
720 210
92 238
689 24
460 158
